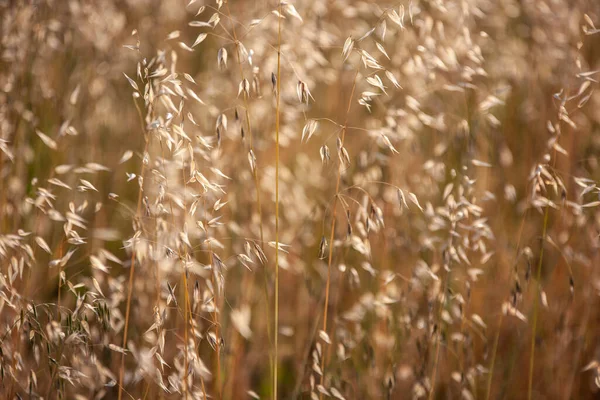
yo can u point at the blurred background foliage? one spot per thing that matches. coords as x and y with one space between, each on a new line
480 81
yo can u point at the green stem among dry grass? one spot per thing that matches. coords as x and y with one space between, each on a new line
536 295
438 336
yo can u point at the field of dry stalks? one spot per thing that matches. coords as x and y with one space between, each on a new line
317 199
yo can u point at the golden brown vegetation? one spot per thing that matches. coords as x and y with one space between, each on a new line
313 199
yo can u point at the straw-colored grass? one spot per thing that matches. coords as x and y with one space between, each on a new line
299 200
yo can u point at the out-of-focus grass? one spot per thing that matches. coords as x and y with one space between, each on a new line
417 296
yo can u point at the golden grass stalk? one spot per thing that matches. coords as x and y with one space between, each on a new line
130 284
248 280
277 122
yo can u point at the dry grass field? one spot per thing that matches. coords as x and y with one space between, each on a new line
316 199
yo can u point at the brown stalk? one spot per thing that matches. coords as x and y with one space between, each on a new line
248 279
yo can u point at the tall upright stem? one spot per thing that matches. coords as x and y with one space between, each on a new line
278 96
130 285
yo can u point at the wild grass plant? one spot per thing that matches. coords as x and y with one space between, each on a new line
316 199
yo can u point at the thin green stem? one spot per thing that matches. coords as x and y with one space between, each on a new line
439 335
535 305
